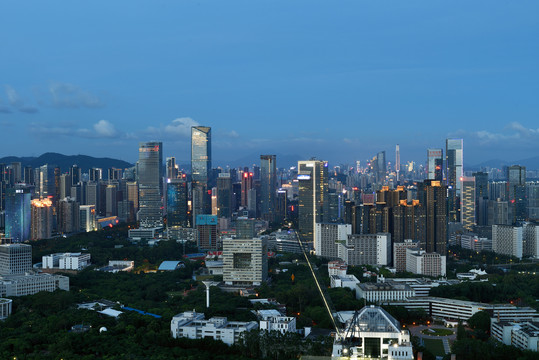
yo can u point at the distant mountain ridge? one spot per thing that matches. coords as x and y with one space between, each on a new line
85 162
530 163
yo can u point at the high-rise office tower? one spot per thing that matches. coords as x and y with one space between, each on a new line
454 173
65 185
75 173
268 186
200 169
42 219
96 174
18 212
47 184
435 164
115 174
379 167
467 203
88 221
224 196
246 186
111 199
516 191
313 191
17 172
397 162
172 168
28 175
481 198
436 217
149 172
177 210
68 215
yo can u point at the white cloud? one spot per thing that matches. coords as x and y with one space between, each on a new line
72 96
104 128
181 126
17 102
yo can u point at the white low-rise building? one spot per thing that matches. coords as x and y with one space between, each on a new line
383 292
272 320
192 325
66 261
453 309
523 335
29 284
344 281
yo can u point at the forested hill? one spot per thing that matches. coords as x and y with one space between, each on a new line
66 161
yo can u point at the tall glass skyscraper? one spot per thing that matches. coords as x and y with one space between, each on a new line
435 164
268 186
18 212
177 211
454 173
313 193
200 169
149 174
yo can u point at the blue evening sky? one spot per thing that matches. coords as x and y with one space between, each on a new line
339 80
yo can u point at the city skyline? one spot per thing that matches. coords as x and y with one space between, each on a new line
303 79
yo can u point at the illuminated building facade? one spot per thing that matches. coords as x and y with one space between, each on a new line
88 220
313 191
42 219
200 169
435 164
68 216
434 200
467 203
18 212
149 172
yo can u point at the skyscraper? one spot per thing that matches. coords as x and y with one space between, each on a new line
379 167
435 164
177 210
200 169
516 191
47 184
436 217
41 227
172 168
18 212
313 190
224 196
397 162
246 186
481 198
467 203
149 173
268 186
454 163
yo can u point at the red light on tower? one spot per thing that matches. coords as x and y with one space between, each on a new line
245 175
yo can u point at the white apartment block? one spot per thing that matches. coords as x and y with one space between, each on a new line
66 261
272 320
530 240
193 326
326 238
15 259
423 263
366 249
245 261
507 240
523 335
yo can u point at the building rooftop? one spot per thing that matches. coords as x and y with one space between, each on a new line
171 265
